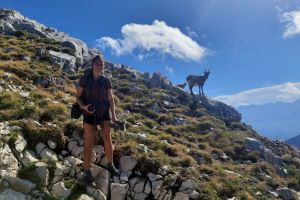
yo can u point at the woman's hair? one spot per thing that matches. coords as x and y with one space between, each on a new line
96 58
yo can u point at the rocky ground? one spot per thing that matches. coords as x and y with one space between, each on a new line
172 145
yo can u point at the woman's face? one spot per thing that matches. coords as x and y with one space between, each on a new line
98 66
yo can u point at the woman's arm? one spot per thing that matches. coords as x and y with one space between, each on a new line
112 104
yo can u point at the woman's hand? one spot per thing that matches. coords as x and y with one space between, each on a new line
86 109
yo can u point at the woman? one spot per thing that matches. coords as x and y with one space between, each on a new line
95 98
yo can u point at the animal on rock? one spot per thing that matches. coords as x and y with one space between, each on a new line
194 80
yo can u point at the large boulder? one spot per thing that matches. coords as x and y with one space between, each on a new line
159 81
267 154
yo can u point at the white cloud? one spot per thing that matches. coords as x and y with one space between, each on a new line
292 20
287 92
170 70
191 33
158 36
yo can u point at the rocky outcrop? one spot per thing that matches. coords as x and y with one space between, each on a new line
267 154
12 21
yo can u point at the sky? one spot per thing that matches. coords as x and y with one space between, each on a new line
251 47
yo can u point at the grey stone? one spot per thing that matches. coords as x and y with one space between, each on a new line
118 191
39 147
188 185
8 162
20 143
28 158
127 163
59 190
96 194
48 154
286 193
102 180
84 197
9 194
181 196
20 185
52 144
42 172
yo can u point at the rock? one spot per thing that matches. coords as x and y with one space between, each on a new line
188 185
132 182
194 195
156 185
139 187
157 80
20 143
59 190
28 158
52 144
102 181
20 185
8 162
71 160
84 197
147 189
96 194
272 194
154 177
72 145
9 194
267 154
286 193
48 154
12 21
42 172
127 163
39 147
218 109
178 121
140 196
64 61
231 172
181 196
118 191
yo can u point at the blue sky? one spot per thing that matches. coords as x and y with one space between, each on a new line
252 46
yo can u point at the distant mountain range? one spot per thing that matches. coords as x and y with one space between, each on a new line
294 141
274 120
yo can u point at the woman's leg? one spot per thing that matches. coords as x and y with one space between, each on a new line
89 134
107 141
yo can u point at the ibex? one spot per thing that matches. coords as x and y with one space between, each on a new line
194 80
181 85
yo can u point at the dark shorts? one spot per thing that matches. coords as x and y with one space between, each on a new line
91 119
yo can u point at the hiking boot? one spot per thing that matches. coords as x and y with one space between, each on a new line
87 177
113 169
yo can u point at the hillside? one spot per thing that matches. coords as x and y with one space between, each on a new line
172 146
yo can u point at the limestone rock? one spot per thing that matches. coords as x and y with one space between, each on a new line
42 172
127 163
48 154
20 185
59 190
52 144
181 196
9 194
95 193
118 191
